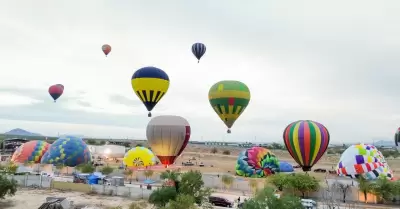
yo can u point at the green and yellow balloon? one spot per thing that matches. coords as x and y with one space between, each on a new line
229 99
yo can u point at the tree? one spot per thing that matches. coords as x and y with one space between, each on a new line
128 175
102 142
266 199
214 150
91 142
11 168
168 174
148 173
227 180
383 189
343 188
107 170
279 180
162 196
276 146
303 183
364 186
226 152
139 145
7 187
86 168
192 184
183 201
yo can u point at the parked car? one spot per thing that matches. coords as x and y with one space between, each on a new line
187 163
220 201
309 203
201 164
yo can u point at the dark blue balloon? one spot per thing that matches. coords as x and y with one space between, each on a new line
68 151
198 50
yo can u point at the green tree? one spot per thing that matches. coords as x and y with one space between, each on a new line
276 146
128 175
227 180
102 142
279 180
148 173
11 168
139 145
91 142
303 183
364 186
7 187
192 184
107 170
168 174
214 150
383 189
226 152
266 199
85 168
182 201
162 196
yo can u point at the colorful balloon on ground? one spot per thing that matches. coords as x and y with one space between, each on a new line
106 49
397 139
256 162
306 142
229 99
285 167
68 151
150 84
198 50
30 152
168 136
139 157
365 161
56 91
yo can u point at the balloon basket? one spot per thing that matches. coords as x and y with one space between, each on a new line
149 115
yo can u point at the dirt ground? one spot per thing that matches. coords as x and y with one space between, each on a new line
29 198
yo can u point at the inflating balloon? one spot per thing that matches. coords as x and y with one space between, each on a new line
285 167
139 157
106 49
68 151
30 152
168 136
306 142
363 160
56 91
150 84
397 139
229 99
256 162
198 50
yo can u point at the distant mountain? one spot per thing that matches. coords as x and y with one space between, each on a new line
21 132
384 143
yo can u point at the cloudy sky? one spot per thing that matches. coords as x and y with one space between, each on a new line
335 62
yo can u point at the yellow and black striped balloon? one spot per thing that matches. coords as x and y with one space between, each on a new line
150 84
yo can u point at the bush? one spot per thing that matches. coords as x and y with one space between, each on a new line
7 187
226 152
106 170
214 150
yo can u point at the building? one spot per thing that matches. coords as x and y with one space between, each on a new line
10 145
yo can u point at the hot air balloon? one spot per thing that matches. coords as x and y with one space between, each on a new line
397 139
139 157
168 136
229 99
256 162
106 49
198 50
150 84
306 142
30 152
56 91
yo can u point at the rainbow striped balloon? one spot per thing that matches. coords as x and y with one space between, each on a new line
306 142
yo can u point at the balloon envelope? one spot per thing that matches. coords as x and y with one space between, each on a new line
30 152
150 84
363 160
56 91
306 142
256 162
285 167
67 150
106 49
397 139
168 136
198 50
139 157
229 99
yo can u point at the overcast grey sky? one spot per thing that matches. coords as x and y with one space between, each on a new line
335 62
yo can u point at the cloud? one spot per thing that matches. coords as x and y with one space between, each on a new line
301 60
